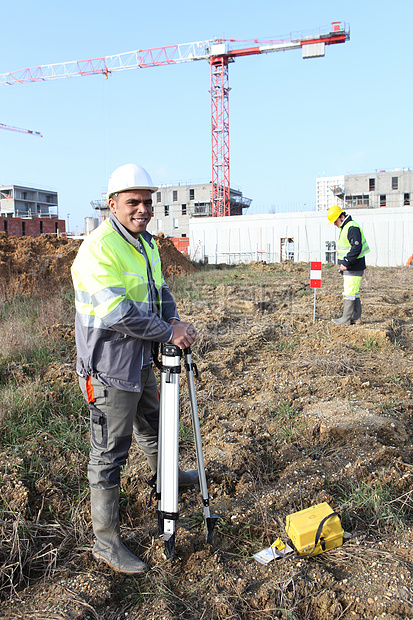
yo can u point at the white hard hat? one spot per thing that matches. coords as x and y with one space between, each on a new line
129 176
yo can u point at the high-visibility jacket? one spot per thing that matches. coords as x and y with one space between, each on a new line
352 246
115 311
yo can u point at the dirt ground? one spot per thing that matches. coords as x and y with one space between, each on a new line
294 411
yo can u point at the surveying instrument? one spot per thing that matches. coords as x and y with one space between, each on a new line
168 445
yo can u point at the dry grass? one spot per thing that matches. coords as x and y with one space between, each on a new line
337 364
25 322
29 548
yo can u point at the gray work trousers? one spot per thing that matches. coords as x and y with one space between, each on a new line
114 416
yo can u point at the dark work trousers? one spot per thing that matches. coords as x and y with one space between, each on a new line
114 416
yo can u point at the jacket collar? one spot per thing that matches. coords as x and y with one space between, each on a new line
124 232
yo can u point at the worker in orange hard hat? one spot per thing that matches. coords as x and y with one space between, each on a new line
352 248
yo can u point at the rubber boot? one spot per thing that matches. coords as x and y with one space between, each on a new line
108 546
357 311
349 305
185 478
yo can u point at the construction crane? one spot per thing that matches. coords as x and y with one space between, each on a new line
10 128
219 53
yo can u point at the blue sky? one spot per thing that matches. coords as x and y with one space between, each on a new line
290 120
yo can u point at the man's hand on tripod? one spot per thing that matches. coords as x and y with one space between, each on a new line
184 334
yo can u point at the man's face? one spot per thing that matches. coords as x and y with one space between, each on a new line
133 209
339 221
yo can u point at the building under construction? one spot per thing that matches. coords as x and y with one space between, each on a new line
29 211
174 205
366 191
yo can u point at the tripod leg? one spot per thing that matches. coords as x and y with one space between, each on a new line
167 478
210 520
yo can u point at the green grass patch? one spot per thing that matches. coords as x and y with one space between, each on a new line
287 345
186 433
289 422
34 410
370 344
391 407
375 505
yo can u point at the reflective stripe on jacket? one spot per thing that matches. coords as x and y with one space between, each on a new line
114 308
343 244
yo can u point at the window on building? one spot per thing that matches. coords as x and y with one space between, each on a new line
183 210
286 248
203 208
395 182
158 224
5 226
183 235
191 194
158 196
372 185
175 195
41 228
56 227
23 229
176 222
331 253
166 210
382 200
357 201
406 200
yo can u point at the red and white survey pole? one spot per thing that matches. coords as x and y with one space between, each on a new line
315 280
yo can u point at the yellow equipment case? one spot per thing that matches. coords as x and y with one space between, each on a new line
315 529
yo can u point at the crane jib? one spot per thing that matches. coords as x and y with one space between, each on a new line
218 52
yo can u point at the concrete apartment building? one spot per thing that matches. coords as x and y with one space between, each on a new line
367 191
29 211
174 205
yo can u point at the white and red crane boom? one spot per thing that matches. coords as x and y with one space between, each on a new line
10 128
218 52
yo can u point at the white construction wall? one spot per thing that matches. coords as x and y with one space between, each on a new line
299 237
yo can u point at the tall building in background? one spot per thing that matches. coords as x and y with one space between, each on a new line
326 188
368 191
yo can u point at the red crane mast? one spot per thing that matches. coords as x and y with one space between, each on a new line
219 53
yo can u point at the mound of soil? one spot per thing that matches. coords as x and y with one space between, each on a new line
173 262
30 263
27 263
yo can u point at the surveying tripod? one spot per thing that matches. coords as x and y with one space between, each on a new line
168 445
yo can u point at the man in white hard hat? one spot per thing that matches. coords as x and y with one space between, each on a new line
123 305
352 248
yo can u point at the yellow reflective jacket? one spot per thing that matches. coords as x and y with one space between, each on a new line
115 309
352 246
